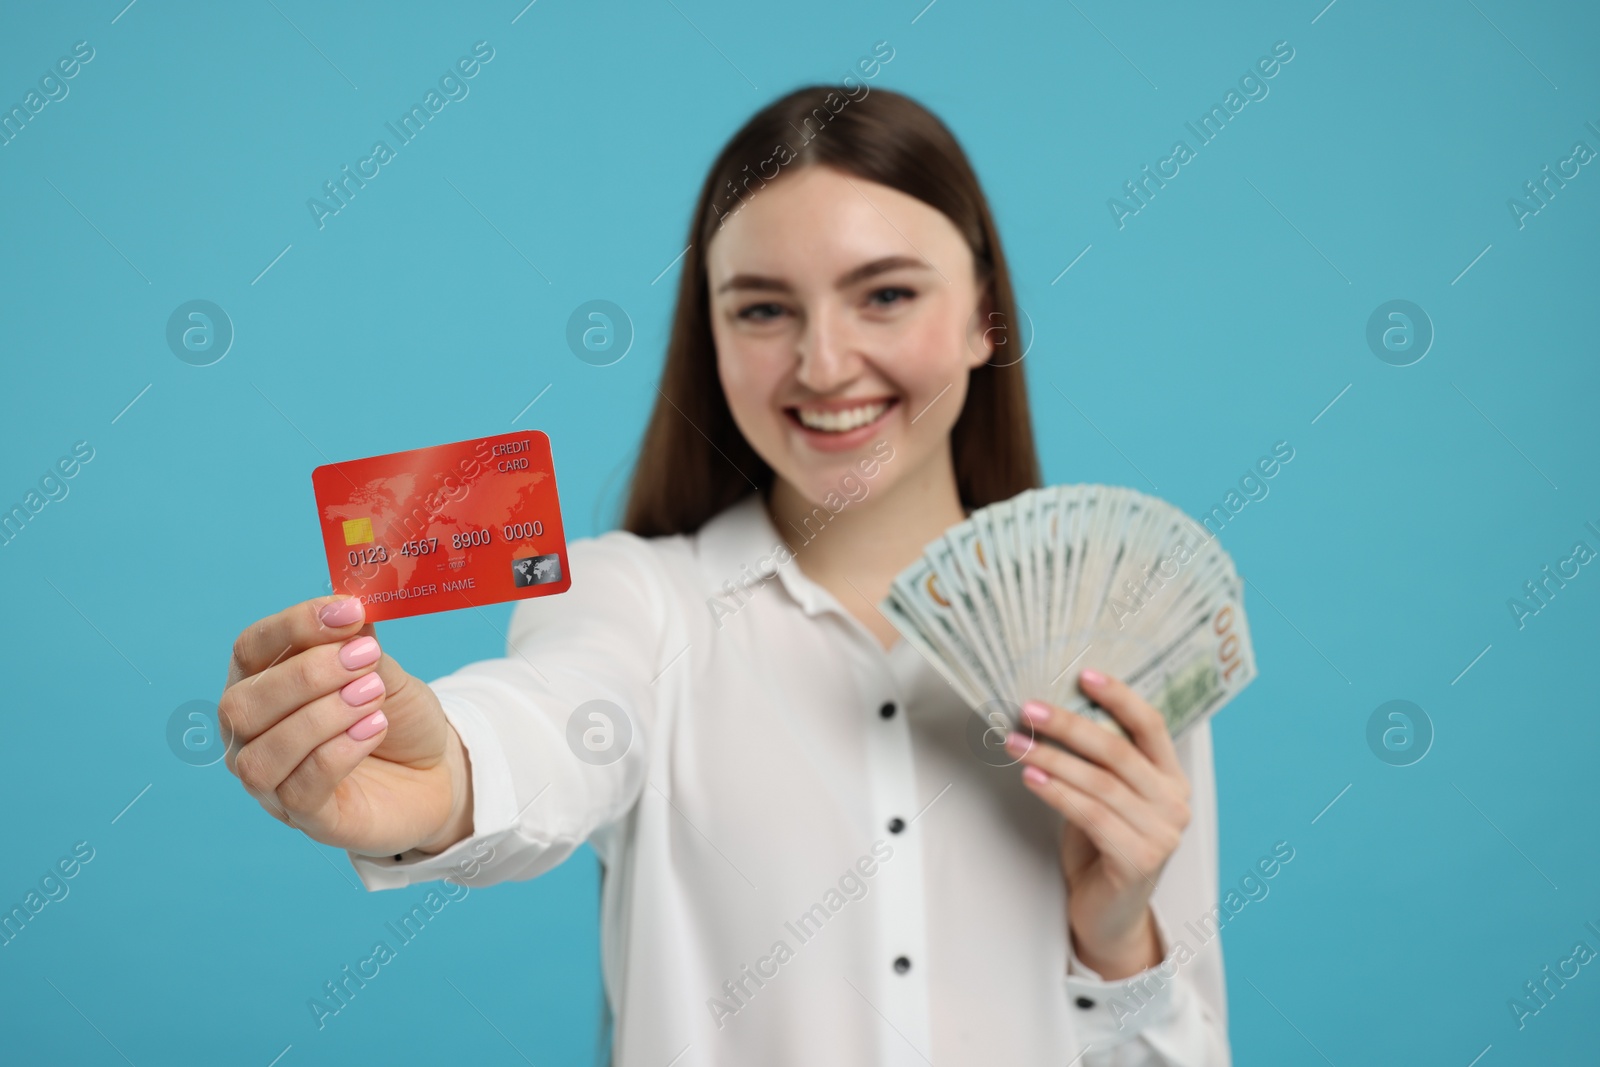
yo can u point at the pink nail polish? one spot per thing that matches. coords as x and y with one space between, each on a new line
365 688
361 652
368 726
1034 711
341 612
1018 743
1034 776
1093 677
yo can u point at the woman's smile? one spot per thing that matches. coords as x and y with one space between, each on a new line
840 425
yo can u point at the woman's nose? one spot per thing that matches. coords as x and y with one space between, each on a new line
827 351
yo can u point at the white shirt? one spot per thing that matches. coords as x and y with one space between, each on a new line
756 907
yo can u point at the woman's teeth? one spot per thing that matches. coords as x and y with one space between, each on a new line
841 421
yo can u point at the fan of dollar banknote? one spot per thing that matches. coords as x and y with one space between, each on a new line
1010 604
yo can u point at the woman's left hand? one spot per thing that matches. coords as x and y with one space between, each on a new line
1126 806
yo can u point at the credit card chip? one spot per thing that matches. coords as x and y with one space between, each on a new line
358 531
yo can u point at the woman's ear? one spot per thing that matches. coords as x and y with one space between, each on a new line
984 331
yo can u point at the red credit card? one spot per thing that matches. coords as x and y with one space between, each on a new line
452 526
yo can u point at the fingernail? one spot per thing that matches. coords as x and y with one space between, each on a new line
1034 711
341 612
363 689
1017 744
1093 677
1034 776
361 652
368 726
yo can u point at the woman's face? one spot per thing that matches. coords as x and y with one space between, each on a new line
844 315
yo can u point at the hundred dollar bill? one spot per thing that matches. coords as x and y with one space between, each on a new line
1188 674
932 626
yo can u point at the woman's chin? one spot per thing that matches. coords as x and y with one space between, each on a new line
849 481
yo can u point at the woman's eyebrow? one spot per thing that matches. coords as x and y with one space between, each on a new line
866 270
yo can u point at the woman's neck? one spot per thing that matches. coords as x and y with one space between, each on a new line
856 553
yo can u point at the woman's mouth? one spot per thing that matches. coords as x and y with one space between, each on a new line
841 420
839 427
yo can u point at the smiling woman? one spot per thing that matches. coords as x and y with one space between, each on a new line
882 164
763 720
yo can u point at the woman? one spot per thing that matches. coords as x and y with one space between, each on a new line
805 862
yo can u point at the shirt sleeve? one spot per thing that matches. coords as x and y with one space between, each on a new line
1174 1014
557 730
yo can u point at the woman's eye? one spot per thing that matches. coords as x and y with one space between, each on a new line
760 312
890 296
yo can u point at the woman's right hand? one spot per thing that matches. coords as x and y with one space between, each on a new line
332 737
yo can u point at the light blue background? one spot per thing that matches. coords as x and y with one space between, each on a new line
1207 329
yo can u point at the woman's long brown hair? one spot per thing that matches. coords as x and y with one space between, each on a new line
694 462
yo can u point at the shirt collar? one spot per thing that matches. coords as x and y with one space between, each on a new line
742 546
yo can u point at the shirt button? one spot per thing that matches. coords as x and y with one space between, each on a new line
1084 1002
896 824
901 965
887 711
